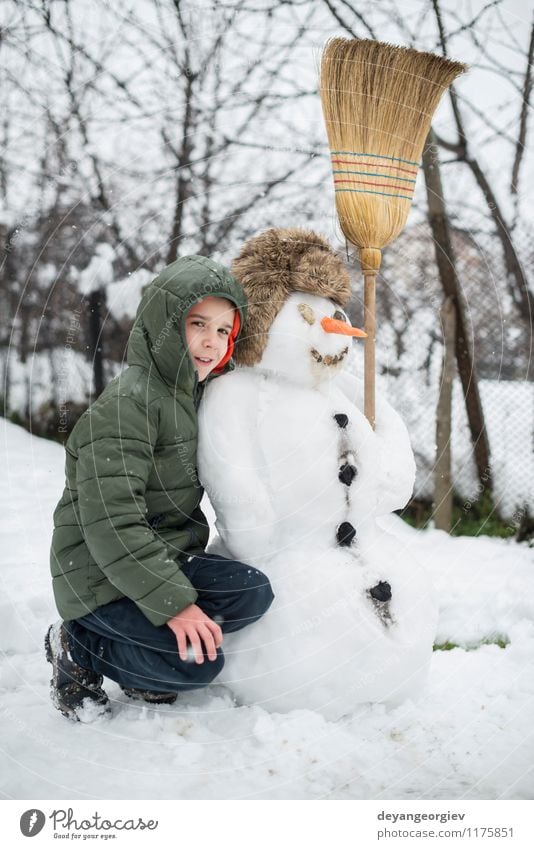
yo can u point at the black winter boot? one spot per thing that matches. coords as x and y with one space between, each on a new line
150 696
75 691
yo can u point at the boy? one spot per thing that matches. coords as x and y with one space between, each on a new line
139 597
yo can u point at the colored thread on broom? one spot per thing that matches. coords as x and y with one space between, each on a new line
375 164
374 155
363 182
368 174
369 192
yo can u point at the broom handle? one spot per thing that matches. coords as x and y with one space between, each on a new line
369 350
370 259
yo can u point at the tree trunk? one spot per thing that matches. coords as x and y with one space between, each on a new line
6 383
439 223
443 488
96 300
183 176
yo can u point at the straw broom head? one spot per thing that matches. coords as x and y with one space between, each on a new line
378 101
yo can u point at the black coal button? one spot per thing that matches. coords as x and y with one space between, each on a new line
342 419
347 473
382 591
345 533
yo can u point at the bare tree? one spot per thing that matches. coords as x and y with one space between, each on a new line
516 277
446 263
140 128
215 86
443 481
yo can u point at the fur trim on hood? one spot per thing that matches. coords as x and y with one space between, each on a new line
274 264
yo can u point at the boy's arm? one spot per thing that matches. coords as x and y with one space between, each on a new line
111 474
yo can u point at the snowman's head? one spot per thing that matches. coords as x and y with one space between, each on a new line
309 340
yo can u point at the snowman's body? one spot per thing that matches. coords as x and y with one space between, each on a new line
297 478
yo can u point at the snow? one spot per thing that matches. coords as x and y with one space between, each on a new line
508 407
62 375
123 296
468 736
99 272
509 415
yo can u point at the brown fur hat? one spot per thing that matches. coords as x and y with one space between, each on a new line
270 267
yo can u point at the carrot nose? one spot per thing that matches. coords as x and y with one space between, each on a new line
334 325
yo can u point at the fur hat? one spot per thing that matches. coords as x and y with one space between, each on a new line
270 267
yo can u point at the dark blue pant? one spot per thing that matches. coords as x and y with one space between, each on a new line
118 641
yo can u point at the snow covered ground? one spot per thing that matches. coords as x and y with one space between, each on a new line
469 736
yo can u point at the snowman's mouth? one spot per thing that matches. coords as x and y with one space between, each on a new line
329 359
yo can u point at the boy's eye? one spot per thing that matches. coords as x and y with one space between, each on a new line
223 330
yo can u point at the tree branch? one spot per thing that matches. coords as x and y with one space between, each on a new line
516 277
522 137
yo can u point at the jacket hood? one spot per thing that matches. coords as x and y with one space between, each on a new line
157 339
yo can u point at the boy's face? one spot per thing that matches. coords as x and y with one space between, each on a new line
207 329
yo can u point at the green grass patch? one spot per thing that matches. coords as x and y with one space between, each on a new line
499 640
477 518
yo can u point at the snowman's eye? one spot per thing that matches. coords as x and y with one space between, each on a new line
306 313
340 316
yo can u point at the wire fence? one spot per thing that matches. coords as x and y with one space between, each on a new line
410 352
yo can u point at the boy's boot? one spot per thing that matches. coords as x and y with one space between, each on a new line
150 696
75 691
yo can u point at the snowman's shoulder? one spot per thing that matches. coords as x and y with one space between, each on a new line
231 391
352 387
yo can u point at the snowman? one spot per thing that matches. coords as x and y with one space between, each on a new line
298 480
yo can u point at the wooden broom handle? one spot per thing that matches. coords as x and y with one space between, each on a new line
369 350
370 259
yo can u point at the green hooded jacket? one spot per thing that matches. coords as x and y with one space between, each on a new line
129 514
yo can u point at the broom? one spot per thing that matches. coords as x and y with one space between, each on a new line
378 101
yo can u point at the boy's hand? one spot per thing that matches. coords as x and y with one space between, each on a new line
194 626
